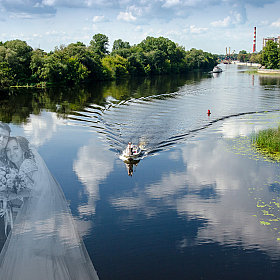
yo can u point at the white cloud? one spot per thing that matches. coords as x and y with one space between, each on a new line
138 29
55 33
126 16
171 16
136 10
38 5
95 27
264 23
48 2
101 18
196 30
276 23
222 23
27 7
30 15
171 3
174 32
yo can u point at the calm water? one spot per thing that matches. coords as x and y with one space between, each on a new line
200 204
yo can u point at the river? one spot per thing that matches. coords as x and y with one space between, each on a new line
200 204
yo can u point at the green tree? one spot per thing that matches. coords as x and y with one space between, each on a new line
256 58
114 67
271 55
18 56
76 71
37 64
6 75
137 62
78 50
76 63
172 54
120 44
99 44
243 56
158 62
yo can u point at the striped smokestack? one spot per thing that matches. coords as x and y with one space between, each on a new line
254 42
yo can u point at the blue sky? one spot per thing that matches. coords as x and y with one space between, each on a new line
210 25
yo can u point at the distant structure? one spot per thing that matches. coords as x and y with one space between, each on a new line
228 57
254 42
273 39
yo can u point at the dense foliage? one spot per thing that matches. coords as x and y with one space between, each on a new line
271 55
77 63
243 56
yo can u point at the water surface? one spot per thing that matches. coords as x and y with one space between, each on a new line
201 203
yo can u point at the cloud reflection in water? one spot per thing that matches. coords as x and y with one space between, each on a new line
92 166
214 185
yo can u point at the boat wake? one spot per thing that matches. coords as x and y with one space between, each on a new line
156 123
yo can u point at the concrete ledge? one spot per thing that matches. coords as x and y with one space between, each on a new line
246 63
269 71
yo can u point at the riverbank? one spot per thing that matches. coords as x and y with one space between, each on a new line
268 142
258 69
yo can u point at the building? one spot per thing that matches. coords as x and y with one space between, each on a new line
274 39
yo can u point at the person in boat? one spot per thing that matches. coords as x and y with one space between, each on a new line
129 149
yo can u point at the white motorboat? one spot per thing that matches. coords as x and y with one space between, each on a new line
217 69
131 152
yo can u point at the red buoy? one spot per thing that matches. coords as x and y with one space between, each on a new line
208 113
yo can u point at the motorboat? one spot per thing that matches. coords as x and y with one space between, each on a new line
131 152
217 69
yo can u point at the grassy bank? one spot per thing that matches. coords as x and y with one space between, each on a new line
253 71
268 142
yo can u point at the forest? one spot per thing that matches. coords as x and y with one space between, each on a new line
21 65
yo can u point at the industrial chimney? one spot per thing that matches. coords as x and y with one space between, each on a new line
254 42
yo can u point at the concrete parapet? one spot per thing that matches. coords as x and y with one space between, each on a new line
269 71
247 63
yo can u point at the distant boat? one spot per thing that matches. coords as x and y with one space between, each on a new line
217 69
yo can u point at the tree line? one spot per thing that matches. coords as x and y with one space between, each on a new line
76 63
268 57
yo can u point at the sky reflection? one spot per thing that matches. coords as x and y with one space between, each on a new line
217 185
92 166
214 177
